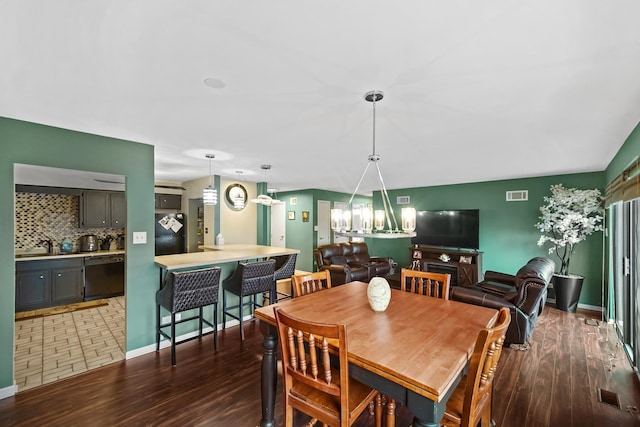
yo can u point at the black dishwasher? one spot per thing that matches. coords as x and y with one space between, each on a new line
103 276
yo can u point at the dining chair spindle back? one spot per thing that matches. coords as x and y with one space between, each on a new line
313 384
425 283
304 284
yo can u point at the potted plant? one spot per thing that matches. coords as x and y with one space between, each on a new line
568 217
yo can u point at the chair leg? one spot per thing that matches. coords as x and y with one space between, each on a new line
378 409
224 310
391 412
173 339
215 326
240 318
158 319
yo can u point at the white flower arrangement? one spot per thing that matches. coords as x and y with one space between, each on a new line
568 217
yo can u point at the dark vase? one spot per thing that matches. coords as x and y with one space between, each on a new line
567 289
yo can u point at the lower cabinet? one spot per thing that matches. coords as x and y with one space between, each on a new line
47 283
33 289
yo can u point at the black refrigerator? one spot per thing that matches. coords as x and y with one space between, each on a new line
171 233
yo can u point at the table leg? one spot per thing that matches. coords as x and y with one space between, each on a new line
269 376
426 412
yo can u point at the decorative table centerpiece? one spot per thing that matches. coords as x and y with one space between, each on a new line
379 293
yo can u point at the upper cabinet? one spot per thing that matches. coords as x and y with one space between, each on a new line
168 201
118 210
103 209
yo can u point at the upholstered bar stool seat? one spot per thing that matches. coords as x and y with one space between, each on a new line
183 291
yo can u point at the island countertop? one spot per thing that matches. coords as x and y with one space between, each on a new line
219 255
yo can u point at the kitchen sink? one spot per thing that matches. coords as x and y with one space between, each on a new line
30 255
36 254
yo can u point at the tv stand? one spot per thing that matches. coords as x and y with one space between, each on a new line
465 266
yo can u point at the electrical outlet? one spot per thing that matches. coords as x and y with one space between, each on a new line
139 237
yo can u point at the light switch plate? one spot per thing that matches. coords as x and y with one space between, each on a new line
139 237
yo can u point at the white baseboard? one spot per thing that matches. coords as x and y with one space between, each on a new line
552 301
8 391
164 343
590 307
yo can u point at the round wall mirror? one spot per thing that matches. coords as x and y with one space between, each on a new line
236 196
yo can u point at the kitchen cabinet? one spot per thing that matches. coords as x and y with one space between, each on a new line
66 285
118 205
45 283
103 209
33 289
168 201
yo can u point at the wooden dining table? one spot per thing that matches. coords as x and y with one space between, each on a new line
414 352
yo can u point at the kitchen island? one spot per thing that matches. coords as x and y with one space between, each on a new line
219 255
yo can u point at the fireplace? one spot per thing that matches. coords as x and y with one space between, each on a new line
442 268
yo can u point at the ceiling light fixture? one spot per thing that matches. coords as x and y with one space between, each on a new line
363 219
210 194
240 199
265 199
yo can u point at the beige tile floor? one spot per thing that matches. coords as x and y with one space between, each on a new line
55 347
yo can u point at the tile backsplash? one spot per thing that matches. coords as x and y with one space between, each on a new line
51 216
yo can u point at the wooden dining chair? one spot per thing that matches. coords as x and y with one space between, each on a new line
309 283
425 283
315 383
471 400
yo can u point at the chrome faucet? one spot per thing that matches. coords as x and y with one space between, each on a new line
49 245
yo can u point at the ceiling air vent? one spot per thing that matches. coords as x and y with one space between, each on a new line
517 195
403 200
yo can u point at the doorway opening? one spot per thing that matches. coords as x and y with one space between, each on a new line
59 330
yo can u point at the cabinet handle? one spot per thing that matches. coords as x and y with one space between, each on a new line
59 274
42 277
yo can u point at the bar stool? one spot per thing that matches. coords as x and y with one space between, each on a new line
248 279
285 268
187 290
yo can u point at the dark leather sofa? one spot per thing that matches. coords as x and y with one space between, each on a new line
524 293
351 261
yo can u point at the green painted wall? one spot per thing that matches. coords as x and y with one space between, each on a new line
508 238
629 151
35 144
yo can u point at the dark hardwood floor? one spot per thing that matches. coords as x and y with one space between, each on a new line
554 383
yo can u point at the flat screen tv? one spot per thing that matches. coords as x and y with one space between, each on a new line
452 229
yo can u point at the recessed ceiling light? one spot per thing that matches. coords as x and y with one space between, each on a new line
214 83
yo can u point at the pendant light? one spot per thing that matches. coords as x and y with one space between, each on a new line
341 220
264 199
210 194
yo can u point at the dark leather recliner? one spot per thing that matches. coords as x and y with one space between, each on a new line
351 261
525 294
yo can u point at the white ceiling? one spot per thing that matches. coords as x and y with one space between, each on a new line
474 91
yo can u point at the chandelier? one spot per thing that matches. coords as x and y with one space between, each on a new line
264 199
210 194
365 222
